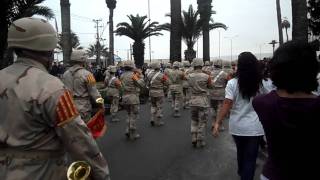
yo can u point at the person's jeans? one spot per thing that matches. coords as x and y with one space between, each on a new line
247 152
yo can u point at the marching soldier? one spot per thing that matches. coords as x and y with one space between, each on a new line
39 120
157 81
132 83
113 91
82 84
186 87
167 71
199 84
176 77
217 93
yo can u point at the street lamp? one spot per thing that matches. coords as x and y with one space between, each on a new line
273 43
149 25
231 38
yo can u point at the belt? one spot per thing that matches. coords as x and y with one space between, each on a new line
78 97
31 154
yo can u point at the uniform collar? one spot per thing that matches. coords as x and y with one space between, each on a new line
32 63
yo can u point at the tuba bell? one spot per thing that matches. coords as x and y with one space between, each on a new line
79 170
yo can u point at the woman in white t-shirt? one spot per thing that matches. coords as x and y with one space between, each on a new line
244 124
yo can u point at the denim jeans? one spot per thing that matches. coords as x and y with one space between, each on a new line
247 152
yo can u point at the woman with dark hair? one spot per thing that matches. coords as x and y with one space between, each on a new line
290 115
244 124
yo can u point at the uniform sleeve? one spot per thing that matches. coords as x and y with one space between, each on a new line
230 90
92 88
210 83
74 134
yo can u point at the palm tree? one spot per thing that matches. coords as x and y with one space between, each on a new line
75 43
191 29
66 31
13 10
111 5
299 20
138 30
279 22
96 49
175 31
286 25
205 10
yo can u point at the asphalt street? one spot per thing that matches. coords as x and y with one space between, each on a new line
166 153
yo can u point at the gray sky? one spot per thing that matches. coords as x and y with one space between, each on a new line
253 22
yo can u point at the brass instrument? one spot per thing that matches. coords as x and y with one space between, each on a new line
79 170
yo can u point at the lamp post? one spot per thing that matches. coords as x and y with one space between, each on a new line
149 25
273 43
231 38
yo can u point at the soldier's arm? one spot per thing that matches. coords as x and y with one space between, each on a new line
74 134
92 88
210 83
138 80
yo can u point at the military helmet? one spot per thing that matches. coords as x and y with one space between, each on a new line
33 34
78 56
155 65
207 63
218 63
120 64
168 65
113 69
197 62
129 64
176 64
186 64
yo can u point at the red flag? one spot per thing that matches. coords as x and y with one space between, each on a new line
97 124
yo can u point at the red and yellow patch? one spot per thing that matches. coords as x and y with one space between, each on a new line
91 80
66 110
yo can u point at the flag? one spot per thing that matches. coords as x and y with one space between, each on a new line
97 124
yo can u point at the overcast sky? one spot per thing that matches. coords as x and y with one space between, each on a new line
253 22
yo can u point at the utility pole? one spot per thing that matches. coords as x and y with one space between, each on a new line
98 61
149 25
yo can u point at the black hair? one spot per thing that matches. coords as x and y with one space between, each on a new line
294 67
249 75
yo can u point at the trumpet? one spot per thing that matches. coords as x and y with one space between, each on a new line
79 170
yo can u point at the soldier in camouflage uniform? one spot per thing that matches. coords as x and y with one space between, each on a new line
131 82
167 71
39 120
106 75
176 77
82 84
186 87
199 84
217 93
207 68
113 91
157 81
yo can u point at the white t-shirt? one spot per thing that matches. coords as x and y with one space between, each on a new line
243 120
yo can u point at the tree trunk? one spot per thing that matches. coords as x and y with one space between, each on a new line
138 53
4 32
175 32
299 20
279 22
206 42
111 41
287 34
204 7
189 54
66 32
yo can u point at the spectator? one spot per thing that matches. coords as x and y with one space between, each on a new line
290 115
54 69
244 124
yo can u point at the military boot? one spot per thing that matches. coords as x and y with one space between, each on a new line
194 139
135 135
176 114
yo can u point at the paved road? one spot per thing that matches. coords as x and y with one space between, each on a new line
165 153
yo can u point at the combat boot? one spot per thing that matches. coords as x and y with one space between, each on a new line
194 139
152 123
135 135
160 123
176 114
